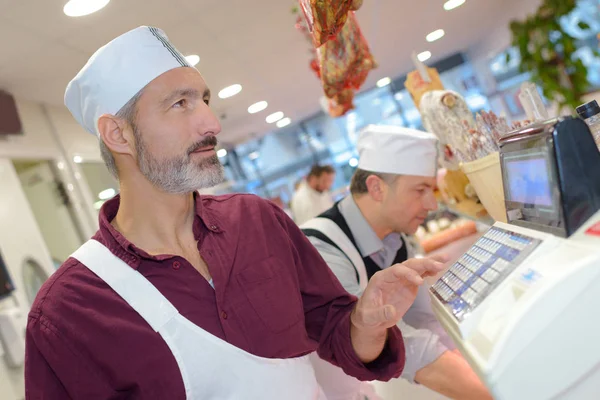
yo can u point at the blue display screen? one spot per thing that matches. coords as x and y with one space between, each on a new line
529 182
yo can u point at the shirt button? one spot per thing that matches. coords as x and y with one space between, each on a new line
223 315
176 265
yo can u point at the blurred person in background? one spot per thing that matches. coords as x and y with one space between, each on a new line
312 197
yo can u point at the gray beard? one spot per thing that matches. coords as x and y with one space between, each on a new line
178 175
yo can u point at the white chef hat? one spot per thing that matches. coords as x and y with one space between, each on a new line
117 72
397 150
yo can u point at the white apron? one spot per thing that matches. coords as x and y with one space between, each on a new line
210 367
335 383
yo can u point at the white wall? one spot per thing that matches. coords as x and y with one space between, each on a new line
36 142
20 238
53 217
72 137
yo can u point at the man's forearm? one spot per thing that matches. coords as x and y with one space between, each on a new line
453 377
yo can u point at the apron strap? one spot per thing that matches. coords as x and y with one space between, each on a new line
132 286
332 230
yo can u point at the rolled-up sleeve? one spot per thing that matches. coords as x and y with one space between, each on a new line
425 340
327 310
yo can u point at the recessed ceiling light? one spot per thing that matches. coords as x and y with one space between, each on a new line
353 162
283 122
257 107
384 82
221 153
424 56
79 8
435 35
193 59
77 159
274 117
98 204
230 91
107 194
452 4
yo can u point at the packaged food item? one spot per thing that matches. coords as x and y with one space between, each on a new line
417 84
450 235
303 29
346 60
341 103
355 5
325 18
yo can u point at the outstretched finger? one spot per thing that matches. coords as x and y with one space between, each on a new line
443 258
423 266
401 272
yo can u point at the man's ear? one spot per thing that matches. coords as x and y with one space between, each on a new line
116 134
376 187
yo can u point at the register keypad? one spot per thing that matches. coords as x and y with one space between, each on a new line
487 263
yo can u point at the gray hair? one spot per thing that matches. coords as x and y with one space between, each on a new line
128 113
358 184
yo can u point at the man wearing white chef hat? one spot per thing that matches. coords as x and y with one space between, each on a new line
368 231
186 296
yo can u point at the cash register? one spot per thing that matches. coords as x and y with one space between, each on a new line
522 304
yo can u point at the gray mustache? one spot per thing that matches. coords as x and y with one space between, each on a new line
209 141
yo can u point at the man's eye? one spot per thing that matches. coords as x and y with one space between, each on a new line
180 103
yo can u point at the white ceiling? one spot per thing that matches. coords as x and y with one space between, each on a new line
251 42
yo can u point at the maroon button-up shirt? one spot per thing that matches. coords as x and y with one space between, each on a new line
273 296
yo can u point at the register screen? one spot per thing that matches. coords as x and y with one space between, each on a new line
529 182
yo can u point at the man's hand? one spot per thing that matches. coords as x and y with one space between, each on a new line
387 297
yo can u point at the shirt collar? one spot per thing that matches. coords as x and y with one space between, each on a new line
127 251
367 241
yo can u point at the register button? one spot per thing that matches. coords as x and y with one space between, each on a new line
594 229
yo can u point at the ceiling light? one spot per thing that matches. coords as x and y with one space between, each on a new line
77 159
353 162
452 4
257 107
60 165
424 56
107 194
221 153
435 35
283 122
384 82
230 91
254 155
274 117
193 59
79 8
98 204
